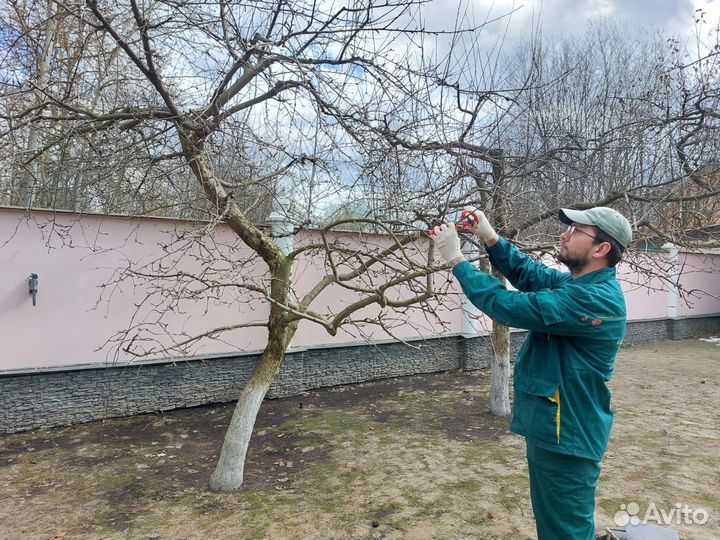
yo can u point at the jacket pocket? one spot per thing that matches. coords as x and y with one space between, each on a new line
536 386
539 408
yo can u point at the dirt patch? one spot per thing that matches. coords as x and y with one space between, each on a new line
413 457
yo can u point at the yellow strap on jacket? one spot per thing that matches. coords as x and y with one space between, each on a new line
556 400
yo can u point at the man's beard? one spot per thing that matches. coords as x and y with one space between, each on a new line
574 264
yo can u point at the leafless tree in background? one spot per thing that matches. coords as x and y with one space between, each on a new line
595 119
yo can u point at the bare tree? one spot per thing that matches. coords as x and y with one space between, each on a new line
595 119
228 93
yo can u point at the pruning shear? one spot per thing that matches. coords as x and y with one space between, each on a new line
467 220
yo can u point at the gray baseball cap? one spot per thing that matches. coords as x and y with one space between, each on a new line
606 219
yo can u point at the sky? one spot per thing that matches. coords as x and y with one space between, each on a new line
675 16
555 18
562 17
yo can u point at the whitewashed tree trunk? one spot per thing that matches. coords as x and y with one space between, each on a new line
229 472
500 360
500 370
500 337
230 469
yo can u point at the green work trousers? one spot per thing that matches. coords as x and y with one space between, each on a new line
562 490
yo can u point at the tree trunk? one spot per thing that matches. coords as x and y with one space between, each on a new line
229 472
500 370
500 337
500 361
30 177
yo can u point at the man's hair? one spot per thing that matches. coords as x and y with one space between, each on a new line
616 250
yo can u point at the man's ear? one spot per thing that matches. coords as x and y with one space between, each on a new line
602 250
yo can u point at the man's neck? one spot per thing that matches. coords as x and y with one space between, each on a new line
588 269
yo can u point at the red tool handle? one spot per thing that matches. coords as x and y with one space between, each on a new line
431 232
465 217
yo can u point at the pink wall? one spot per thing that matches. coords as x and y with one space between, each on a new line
410 323
82 302
700 282
646 295
80 305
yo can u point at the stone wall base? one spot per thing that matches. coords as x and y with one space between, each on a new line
55 397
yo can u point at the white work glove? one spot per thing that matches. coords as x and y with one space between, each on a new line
481 228
448 242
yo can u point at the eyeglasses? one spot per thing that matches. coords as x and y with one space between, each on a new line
572 229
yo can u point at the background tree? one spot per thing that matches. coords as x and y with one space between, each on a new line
594 119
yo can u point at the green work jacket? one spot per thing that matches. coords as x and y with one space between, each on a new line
561 399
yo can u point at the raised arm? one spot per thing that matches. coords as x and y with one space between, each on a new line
596 311
525 274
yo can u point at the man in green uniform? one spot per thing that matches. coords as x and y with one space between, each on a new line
577 323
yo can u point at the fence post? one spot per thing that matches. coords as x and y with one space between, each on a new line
673 297
281 230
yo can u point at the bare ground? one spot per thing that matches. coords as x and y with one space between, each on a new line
416 457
